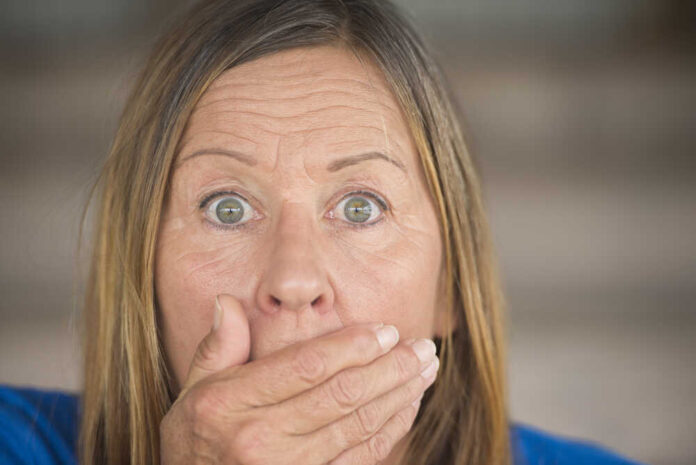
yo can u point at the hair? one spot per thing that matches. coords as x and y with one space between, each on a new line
463 418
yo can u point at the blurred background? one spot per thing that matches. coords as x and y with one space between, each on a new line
582 115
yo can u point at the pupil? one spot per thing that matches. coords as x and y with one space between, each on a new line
357 209
229 210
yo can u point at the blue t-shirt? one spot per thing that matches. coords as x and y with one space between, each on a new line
39 427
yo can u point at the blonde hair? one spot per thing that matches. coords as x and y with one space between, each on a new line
463 418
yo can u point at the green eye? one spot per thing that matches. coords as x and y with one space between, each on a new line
229 210
357 209
361 210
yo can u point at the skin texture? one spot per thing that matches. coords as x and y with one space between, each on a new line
297 265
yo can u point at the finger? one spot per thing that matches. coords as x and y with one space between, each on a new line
227 344
354 387
302 366
363 423
379 446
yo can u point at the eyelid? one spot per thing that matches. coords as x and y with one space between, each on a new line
370 194
204 202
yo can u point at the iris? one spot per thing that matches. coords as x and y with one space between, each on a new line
357 209
229 210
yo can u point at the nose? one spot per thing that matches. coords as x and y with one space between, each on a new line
295 277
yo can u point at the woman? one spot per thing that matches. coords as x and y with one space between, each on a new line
288 217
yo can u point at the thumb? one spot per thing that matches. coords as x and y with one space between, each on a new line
227 344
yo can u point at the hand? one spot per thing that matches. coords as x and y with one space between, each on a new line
341 398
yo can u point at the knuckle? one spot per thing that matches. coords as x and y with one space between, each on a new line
379 446
206 353
249 441
413 389
368 419
203 403
340 435
203 407
308 363
404 420
347 388
405 363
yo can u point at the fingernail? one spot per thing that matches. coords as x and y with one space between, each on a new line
416 403
431 370
218 313
424 349
387 336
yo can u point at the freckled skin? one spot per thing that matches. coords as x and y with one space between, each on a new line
295 112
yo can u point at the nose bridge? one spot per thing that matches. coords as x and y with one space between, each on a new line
295 220
295 277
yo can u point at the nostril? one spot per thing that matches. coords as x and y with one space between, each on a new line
276 303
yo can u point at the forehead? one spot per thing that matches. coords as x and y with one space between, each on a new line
301 71
321 97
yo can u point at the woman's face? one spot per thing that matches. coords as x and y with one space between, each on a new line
298 190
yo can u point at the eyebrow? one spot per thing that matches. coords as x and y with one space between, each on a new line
354 159
244 158
332 167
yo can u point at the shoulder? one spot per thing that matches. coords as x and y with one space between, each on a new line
37 426
533 446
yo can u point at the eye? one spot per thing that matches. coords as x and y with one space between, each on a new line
228 210
361 208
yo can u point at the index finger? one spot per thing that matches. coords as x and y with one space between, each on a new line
306 364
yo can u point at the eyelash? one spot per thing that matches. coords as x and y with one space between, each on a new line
208 198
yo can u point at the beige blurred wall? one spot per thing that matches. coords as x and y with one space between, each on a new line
581 116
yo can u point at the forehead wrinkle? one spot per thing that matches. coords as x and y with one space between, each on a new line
361 143
277 154
384 129
353 144
253 83
230 105
227 118
253 78
367 100
185 140
370 106
376 88
337 126
254 126
306 112
204 102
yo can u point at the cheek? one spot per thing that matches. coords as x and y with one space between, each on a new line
188 275
393 280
